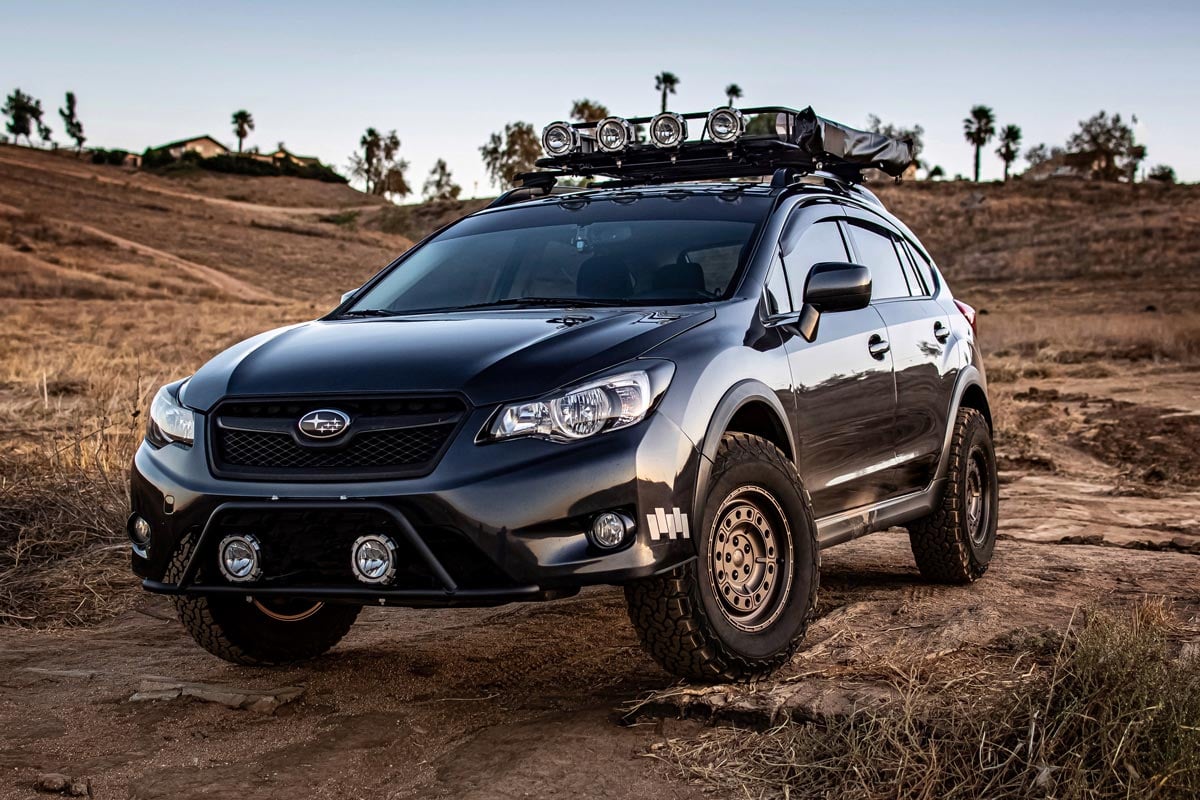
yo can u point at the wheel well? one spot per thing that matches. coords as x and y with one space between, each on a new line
974 397
759 419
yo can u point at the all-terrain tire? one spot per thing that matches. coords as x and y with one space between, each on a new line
678 615
255 634
948 544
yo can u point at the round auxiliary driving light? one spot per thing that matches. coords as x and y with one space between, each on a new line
374 558
609 530
139 534
559 138
239 557
668 129
725 124
614 134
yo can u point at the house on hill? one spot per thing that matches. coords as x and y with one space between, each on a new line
1072 166
283 154
205 146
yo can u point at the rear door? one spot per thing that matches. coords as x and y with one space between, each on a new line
918 328
845 397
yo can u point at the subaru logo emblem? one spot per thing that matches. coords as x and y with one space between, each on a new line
324 423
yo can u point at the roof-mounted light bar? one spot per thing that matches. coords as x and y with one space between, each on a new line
728 146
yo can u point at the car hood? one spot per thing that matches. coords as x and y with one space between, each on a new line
488 356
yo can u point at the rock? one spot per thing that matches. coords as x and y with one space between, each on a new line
52 782
261 701
58 783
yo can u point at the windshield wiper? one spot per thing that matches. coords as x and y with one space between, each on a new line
368 312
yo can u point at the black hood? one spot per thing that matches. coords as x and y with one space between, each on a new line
489 356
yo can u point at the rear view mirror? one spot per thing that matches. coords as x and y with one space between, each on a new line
837 286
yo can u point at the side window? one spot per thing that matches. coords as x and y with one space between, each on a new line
923 267
877 252
821 242
778 301
916 283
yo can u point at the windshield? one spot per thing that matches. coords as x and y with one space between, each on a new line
623 250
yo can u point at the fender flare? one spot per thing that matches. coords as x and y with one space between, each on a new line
742 393
968 377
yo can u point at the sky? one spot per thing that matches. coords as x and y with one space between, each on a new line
446 75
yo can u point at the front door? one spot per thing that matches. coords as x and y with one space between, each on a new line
844 389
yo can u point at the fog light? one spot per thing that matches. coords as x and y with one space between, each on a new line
609 530
374 558
139 534
239 557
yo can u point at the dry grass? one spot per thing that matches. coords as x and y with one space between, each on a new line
1113 712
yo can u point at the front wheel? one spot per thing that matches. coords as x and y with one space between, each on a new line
954 544
739 610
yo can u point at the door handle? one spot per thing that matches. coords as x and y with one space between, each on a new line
940 331
878 346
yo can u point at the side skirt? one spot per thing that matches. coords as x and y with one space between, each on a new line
840 528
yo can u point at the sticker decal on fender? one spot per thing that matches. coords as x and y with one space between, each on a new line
672 523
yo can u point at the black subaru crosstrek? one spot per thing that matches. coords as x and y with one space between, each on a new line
681 379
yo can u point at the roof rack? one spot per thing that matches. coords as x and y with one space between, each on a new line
802 141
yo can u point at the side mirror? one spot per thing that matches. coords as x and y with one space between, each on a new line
832 286
837 286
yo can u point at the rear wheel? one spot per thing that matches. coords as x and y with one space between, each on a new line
954 544
257 631
739 610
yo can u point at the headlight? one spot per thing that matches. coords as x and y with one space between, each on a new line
169 420
668 129
606 404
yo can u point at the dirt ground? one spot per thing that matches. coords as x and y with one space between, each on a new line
1095 384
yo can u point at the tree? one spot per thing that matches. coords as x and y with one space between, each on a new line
1110 145
439 186
512 152
588 111
935 172
1010 147
243 123
979 128
71 122
733 92
18 108
665 82
1162 174
379 166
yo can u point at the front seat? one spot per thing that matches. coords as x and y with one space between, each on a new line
604 277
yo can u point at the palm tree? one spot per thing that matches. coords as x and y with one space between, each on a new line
1010 146
979 128
733 92
243 123
665 82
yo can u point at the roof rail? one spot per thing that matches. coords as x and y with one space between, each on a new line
532 186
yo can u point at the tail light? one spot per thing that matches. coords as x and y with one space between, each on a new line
967 312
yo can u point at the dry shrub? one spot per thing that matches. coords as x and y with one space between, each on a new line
1114 713
64 558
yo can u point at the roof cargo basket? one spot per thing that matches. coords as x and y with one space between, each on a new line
614 147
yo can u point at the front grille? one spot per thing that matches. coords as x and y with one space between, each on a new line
386 438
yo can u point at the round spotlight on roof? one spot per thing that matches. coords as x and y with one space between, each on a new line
239 558
559 138
725 125
668 129
614 134
374 558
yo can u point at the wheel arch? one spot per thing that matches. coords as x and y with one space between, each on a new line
969 392
748 407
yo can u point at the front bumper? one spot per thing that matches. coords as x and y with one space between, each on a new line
519 508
